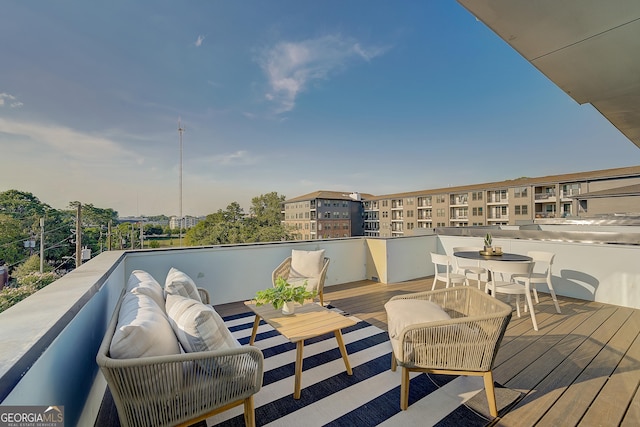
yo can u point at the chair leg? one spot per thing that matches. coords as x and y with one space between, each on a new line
321 295
404 389
249 412
394 362
553 295
533 314
535 292
491 393
517 304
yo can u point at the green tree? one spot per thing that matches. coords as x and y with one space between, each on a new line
27 210
232 225
31 265
11 240
267 208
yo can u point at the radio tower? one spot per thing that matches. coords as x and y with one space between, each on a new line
180 130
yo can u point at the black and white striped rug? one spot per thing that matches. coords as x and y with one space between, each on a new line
370 397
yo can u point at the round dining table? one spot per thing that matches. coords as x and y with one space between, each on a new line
505 256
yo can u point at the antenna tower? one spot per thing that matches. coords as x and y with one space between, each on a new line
180 131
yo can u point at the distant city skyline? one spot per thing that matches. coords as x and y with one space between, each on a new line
292 97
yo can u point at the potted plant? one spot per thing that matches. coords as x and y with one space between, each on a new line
487 243
283 294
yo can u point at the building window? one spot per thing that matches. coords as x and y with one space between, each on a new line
410 214
385 202
440 199
439 212
525 210
520 192
517 210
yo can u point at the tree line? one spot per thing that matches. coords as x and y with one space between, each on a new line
21 231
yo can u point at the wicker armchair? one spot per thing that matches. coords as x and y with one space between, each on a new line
465 344
180 389
284 271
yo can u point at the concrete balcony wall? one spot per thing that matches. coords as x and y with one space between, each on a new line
235 273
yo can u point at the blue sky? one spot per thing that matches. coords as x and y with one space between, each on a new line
287 96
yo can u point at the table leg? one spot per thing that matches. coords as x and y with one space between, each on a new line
343 351
256 323
298 381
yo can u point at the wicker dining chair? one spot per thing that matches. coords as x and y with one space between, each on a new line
451 331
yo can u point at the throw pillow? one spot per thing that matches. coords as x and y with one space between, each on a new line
306 263
179 283
406 312
198 326
143 330
141 282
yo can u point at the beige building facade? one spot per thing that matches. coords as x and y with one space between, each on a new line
325 214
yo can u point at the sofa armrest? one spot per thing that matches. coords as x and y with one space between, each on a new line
204 296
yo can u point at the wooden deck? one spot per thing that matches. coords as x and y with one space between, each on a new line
581 368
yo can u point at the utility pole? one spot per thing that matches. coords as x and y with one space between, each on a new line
109 236
79 235
41 245
180 130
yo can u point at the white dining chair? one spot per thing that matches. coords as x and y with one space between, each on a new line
503 282
444 273
466 266
544 259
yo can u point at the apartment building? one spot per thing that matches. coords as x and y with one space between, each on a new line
187 222
324 215
512 202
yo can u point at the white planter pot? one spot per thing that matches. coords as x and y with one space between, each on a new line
288 308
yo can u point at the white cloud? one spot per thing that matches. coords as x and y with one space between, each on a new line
291 66
240 157
12 104
199 40
69 142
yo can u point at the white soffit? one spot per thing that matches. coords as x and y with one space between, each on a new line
589 48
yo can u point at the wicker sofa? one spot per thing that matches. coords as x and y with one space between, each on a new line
156 389
455 331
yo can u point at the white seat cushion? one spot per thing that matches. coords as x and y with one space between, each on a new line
141 282
143 330
312 282
402 313
179 283
306 263
198 326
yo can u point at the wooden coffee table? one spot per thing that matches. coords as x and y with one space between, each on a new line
309 320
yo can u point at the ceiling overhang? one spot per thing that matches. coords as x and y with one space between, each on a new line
590 49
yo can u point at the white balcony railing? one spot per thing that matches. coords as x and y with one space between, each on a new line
50 340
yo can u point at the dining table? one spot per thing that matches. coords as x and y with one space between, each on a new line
503 256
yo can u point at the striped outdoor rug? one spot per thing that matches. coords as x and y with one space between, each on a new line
371 396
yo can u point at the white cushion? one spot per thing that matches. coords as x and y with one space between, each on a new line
141 282
306 263
402 313
179 283
198 326
312 282
143 330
